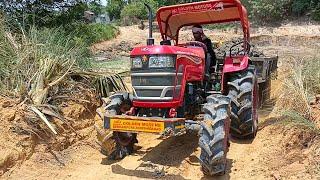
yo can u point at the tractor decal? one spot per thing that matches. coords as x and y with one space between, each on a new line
215 6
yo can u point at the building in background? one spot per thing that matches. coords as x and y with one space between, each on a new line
91 17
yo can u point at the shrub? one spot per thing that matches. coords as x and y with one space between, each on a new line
300 7
248 5
269 10
294 95
7 51
316 13
34 61
114 8
92 33
311 72
300 86
136 11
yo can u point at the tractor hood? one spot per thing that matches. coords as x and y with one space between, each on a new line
163 49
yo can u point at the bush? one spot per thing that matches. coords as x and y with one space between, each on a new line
275 10
300 7
92 33
311 72
136 11
36 60
316 13
114 8
269 10
247 4
300 86
48 13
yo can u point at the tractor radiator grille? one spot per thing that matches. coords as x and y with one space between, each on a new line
153 93
154 86
153 80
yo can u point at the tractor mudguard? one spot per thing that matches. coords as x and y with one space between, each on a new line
235 64
232 65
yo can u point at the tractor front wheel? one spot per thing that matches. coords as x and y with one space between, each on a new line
124 142
214 133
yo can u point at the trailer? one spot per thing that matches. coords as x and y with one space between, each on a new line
266 68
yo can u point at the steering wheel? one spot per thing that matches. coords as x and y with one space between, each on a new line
197 44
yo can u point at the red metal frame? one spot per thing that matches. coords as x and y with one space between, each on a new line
202 6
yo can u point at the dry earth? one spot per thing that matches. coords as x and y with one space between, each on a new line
278 152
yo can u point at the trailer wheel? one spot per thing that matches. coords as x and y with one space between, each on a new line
124 142
214 133
243 91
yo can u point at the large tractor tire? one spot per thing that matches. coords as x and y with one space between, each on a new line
124 142
243 92
214 133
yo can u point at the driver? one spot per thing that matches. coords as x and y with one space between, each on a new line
198 35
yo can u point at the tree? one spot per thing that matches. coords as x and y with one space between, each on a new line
47 12
135 11
114 8
96 7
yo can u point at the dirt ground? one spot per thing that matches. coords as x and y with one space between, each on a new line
278 151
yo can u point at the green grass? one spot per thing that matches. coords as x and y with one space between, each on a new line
118 66
296 119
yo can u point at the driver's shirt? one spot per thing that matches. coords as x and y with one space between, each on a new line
208 43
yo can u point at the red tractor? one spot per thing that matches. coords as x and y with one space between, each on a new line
171 94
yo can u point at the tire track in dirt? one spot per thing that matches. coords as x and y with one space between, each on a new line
263 158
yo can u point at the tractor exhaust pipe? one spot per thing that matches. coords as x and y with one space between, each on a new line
150 40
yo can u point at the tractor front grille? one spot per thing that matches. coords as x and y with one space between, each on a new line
153 93
153 80
154 86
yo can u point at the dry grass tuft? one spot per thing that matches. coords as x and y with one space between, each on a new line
32 62
299 87
46 68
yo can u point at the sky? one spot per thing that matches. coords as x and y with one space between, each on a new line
103 2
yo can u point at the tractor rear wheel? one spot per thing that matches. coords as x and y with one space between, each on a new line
124 142
243 91
214 133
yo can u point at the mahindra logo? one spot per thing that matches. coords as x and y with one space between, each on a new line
145 49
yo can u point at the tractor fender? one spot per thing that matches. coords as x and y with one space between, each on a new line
235 64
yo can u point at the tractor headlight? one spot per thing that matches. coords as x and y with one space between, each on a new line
161 61
136 62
